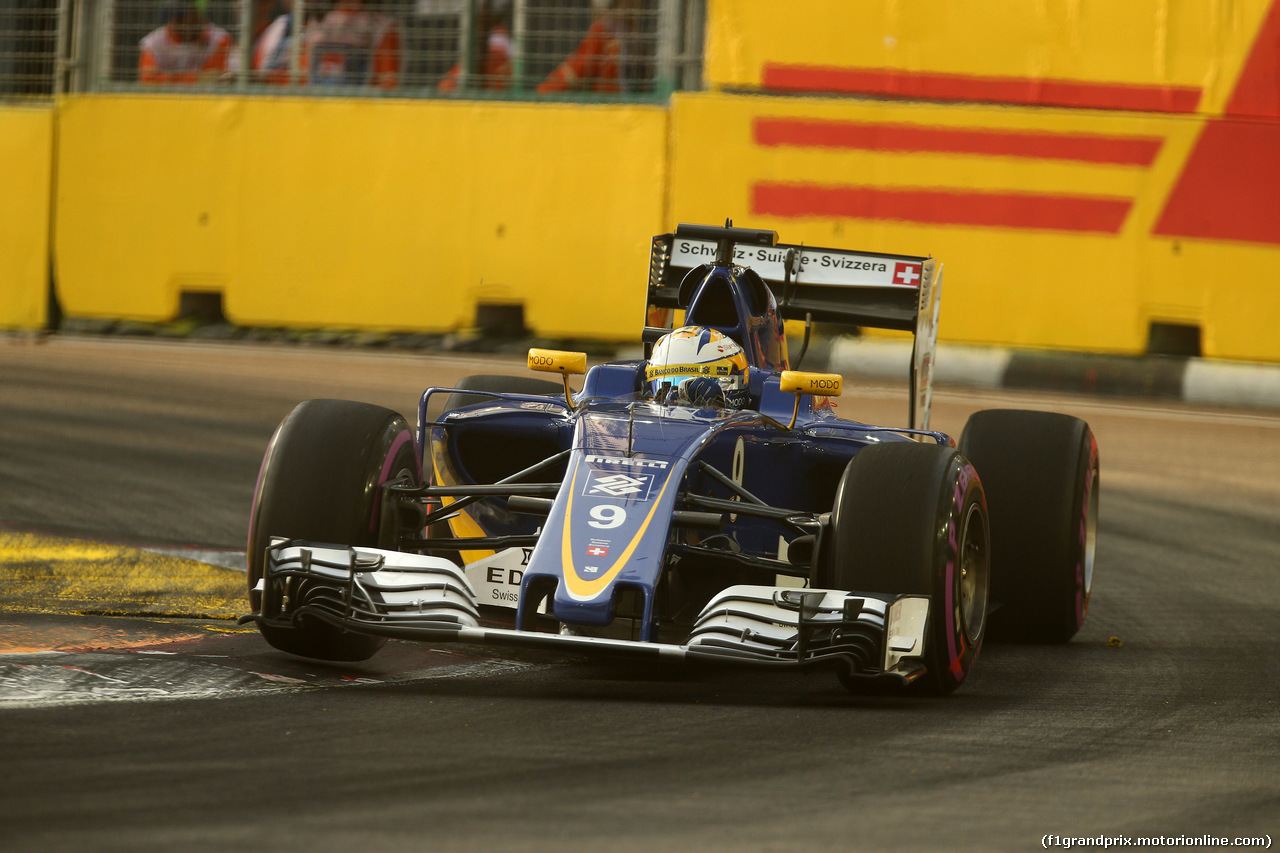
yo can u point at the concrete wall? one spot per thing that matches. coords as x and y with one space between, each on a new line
359 213
26 182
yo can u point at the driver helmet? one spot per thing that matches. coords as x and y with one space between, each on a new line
697 365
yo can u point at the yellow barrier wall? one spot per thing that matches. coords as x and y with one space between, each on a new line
1047 242
26 175
1129 174
360 213
1170 53
1124 172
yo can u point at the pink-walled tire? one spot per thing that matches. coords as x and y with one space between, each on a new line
912 519
321 480
1040 470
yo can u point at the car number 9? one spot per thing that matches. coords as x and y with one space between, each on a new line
607 516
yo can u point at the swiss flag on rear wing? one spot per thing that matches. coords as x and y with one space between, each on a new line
908 274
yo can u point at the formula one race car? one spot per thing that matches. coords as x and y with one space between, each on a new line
703 503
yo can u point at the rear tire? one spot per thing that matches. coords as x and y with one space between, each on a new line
321 480
1040 470
498 385
912 519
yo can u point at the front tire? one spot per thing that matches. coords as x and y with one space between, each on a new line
1041 474
912 519
321 480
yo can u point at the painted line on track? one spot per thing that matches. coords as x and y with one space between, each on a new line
46 574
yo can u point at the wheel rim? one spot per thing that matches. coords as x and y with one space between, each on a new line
974 575
402 474
1090 530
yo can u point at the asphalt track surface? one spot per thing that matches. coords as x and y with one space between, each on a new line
146 733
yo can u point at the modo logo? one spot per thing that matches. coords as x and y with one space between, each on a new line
556 361
815 384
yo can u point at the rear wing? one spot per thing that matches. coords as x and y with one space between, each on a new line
835 286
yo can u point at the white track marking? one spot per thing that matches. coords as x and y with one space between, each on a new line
49 679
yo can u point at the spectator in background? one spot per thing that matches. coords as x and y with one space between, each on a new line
186 48
261 15
273 49
264 12
601 63
354 45
493 42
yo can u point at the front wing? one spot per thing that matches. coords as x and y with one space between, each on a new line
414 597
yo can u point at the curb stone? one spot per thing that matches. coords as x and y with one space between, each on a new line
1191 380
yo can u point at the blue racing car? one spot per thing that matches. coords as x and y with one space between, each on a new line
701 503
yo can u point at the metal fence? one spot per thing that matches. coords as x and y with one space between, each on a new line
28 47
593 49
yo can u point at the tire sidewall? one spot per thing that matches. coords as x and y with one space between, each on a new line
1086 498
950 651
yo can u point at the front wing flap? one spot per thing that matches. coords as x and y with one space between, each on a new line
415 597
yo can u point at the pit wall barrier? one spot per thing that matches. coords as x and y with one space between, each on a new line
26 187
359 214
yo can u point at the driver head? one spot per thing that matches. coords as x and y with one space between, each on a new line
693 364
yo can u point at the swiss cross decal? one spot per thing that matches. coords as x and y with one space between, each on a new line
597 551
908 274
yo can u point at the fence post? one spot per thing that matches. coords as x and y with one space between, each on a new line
245 45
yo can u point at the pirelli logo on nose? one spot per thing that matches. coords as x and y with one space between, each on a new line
811 384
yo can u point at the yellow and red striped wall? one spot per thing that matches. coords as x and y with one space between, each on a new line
1083 172
1168 56
1219 61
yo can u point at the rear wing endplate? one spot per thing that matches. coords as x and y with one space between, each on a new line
835 286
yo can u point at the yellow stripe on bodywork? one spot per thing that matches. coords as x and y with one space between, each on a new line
462 525
584 590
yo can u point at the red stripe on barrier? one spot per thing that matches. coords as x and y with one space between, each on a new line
1080 147
1257 92
963 87
944 207
1229 186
